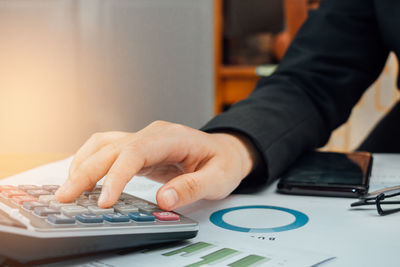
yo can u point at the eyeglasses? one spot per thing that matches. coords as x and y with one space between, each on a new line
378 198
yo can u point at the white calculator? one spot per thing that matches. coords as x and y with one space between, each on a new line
34 226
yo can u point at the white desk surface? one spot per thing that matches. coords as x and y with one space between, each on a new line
358 237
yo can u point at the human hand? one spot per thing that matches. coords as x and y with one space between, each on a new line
192 164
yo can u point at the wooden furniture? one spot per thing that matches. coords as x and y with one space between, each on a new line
233 83
11 164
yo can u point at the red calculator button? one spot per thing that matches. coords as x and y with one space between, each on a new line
21 199
7 187
13 193
166 216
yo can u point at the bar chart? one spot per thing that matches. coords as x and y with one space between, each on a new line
217 256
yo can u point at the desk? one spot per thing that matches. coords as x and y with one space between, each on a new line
356 237
11 164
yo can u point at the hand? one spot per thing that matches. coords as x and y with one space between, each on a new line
192 164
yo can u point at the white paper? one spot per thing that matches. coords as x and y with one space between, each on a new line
386 171
355 237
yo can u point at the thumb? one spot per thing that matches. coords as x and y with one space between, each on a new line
184 189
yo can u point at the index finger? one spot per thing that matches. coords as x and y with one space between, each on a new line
92 145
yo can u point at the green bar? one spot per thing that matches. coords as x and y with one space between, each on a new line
248 261
213 257
190 249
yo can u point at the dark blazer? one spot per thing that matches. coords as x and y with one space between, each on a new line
337 54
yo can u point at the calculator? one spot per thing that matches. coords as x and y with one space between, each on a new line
35 226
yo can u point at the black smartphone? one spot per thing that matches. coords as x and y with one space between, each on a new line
328 174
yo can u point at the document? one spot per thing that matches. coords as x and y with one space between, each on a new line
385 171
263 229
213 245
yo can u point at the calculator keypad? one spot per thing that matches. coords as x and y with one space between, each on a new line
47 212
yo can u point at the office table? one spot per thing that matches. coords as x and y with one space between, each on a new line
356 237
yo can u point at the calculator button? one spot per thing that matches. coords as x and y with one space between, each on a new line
86 202
98 210
60 219
89 218
28 187
136 202
12 193
145 205
44 211
141 217
166 216
7 187
38 192
125 208
73 210
94 197
116 217
149 209
21 199
50 187
95 191
47 198
132 201
57 205
33 204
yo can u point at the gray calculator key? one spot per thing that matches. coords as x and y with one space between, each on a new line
38 192
95 191
148 208
86 202
30 205
125 208
57 205
28 187
89 218
50 187
94 197
60 219
45 211
98 210
135 201
145 205
47 198
73 210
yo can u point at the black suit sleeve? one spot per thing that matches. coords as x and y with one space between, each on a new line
333 59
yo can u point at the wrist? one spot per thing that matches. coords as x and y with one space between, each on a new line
242 147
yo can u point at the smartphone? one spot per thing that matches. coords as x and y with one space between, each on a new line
328 174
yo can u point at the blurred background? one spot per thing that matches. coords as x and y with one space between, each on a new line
69 68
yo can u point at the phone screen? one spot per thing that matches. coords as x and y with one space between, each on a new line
328 173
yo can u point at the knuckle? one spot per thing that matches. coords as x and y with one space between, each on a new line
192 186
97 138
111 147
158 123
178 127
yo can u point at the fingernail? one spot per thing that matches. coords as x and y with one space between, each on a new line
104 196
170 197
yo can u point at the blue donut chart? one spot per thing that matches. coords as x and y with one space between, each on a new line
217 219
